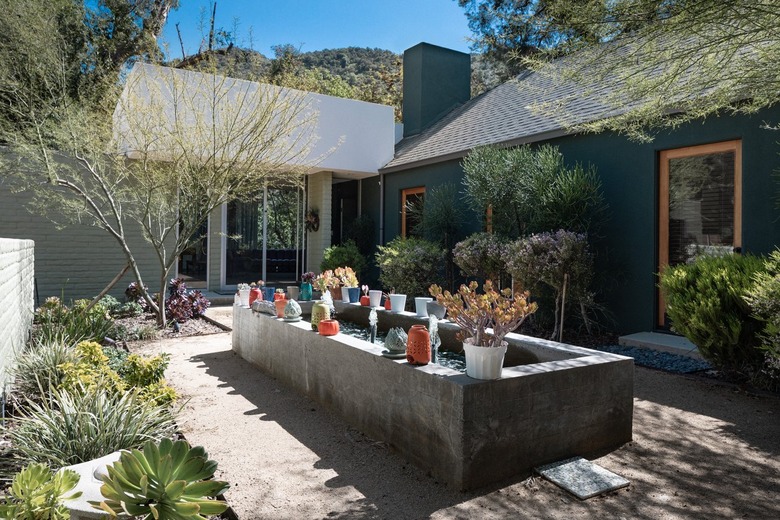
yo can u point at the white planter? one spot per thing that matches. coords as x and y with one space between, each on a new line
243 297
397 302
345 294
293 292
375 298
484 362
421 306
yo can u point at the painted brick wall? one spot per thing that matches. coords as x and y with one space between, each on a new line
320 187
16 298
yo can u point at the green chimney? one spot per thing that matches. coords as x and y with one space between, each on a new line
436 80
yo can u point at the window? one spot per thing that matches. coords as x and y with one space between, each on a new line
700 204
411 209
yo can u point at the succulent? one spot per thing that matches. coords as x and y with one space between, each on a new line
165 482
36 493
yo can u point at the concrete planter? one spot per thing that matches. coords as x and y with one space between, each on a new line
567 401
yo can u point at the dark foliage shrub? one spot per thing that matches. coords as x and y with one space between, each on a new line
410 266
181 304
135 295
344 255
362 231
482 255
706 303
764 300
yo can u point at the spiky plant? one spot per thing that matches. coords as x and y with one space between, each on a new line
38 494
165 482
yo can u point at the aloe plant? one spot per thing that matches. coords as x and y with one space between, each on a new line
37 494
164 482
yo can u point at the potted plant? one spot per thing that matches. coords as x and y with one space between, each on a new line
325 281
350 293
307 279
365 301
475 313
256 291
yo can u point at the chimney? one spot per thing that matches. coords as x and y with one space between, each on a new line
436 80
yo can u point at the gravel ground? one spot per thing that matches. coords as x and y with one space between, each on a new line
700 450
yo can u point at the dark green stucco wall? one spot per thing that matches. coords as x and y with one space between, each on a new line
627 256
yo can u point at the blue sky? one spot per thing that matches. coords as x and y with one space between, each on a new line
313 25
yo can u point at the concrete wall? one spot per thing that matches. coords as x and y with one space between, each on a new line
467 432
319 193
16 298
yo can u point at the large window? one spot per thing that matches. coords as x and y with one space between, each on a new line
700 204
411 210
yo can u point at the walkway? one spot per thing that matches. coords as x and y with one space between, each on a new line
699 451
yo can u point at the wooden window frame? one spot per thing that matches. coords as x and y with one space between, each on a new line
663 199
405 193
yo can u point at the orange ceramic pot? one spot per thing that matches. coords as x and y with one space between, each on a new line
328 327
255 293
365 301
280 308
387 304
418 346
279 296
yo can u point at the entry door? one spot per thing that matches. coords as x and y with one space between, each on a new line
700 205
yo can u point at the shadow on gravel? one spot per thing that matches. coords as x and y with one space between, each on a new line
677 469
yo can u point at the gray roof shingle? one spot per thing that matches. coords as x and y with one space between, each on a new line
502 115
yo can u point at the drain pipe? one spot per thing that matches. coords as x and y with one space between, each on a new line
381 209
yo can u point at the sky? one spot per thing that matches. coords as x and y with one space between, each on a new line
313 25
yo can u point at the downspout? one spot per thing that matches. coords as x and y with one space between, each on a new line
265 228
381 209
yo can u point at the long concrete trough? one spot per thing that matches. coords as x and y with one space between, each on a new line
466 432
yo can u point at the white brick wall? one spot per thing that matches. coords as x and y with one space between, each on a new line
16 299
320 191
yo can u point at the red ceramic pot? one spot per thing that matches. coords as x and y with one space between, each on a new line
279 296
280 308
387 304
328 327
418 346
255 293
365 301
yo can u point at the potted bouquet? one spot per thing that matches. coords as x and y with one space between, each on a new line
326 280
307 279
350 293
475 313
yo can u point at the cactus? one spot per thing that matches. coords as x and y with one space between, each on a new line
164 482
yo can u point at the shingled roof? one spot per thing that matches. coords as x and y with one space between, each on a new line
503 115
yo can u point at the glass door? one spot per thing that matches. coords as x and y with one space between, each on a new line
700 205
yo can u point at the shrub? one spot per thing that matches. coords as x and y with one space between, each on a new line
182 305
482 255
410 265
764 300
37 493
57 322
545 260
81 424
134 294
345 255
705 301
38 368
362 232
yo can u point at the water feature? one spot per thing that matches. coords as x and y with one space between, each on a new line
444 358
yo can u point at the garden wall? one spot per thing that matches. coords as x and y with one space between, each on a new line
16 298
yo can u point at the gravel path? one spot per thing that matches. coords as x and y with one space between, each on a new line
700 450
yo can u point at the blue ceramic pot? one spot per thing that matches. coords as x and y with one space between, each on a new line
354 294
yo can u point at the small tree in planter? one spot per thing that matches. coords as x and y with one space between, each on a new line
474 313
410 265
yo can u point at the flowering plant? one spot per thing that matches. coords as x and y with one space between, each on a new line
482 255
346 276
260 283
364 288
308 277
475 313
324 280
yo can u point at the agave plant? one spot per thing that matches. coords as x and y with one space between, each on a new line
37 493
164 482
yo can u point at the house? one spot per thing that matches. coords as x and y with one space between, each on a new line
651 223
352 140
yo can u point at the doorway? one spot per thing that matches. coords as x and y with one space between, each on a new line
700 205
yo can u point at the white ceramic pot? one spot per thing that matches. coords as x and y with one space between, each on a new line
345 294
375 298
421 306
243 297
484 362
397 302
293 292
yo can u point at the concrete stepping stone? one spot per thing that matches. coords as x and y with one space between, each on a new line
581 477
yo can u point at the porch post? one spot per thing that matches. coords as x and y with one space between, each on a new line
265 227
